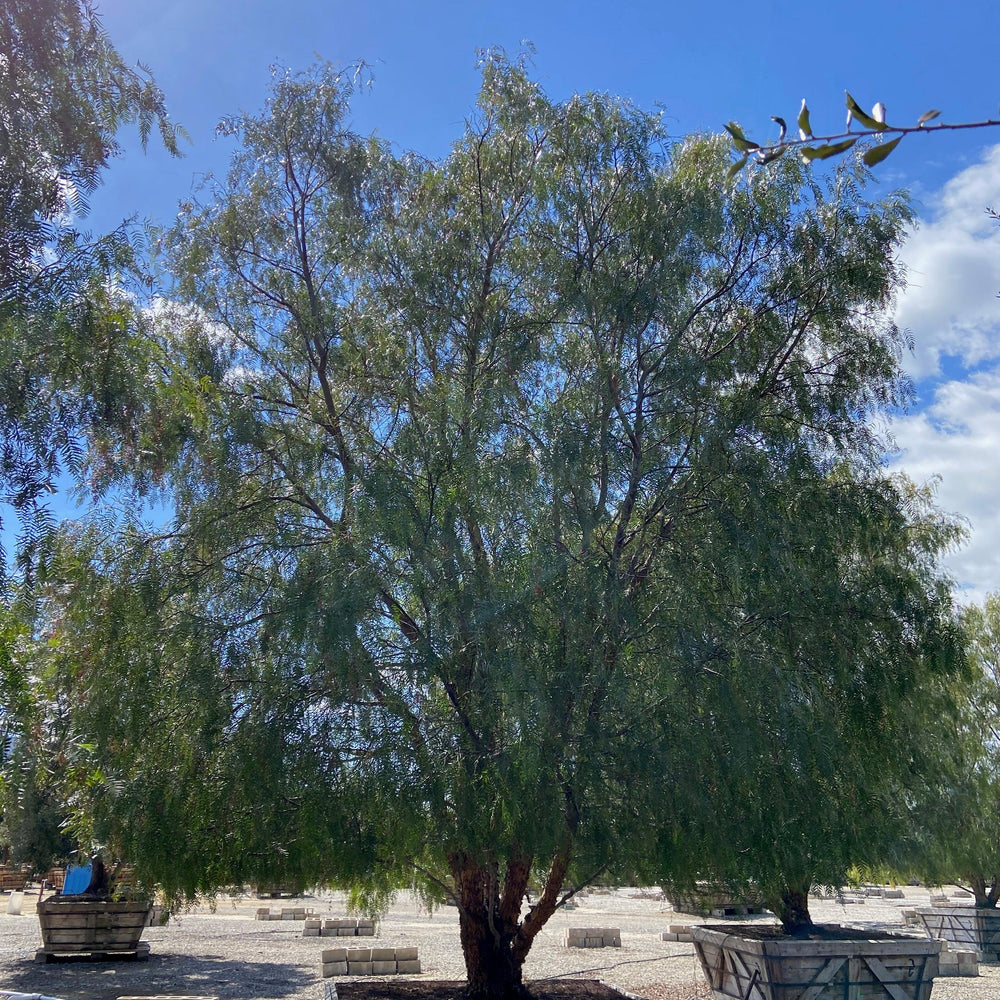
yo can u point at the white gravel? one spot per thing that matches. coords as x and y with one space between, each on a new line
231 955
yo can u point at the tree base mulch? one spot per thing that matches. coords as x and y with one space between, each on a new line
539 989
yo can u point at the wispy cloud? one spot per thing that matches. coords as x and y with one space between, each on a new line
953 268
952 310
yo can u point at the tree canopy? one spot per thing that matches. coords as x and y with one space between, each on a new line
519 496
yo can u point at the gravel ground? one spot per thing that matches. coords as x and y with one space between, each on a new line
230 955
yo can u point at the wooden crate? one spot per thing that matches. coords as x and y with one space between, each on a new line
91 926
964 927
12 881
880 967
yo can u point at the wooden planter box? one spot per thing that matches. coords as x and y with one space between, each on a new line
91 926
964 928
831 965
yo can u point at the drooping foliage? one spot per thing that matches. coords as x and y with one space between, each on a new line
508 489
957 811
65 361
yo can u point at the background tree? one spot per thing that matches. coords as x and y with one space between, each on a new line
958 809
481 471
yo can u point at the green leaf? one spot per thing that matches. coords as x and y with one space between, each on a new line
865 119
737 166
878 153
810 153
805 129
740 141
771 153
927 116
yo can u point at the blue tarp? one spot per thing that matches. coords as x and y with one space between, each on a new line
77 879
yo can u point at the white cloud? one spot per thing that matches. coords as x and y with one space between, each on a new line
957 437
953 269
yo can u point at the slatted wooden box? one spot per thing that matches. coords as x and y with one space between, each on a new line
94 926
830 966
964 927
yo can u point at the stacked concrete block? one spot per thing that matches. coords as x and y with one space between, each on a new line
313 928
285 913
957 963
893 894
911 919
369 961
593 937
345 927
677 932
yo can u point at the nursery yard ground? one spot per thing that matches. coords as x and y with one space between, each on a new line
227 953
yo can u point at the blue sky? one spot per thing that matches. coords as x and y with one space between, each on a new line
704 63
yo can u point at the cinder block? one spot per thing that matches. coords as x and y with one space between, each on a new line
594 942
314 922
668 936
610 932
334 969
384 968
346 932
406 954
384 954
366 931
359 968
893 894
310 932
334 955
287 916
410 967
359 954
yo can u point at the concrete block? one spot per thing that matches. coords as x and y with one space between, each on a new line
594 942
334 955
359 954
334 969
346 932
310 932
668 936
893 894
368 931
411 967
314 922
384 954
406 954
384 968
359 968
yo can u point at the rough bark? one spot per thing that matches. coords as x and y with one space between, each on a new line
495 940
986 894
488 925
793 910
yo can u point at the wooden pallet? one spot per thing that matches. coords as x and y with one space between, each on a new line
139 954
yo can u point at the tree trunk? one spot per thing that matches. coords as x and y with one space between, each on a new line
488 925
986 893
793 910
495 940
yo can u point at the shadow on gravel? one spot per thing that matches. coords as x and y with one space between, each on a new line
210 975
